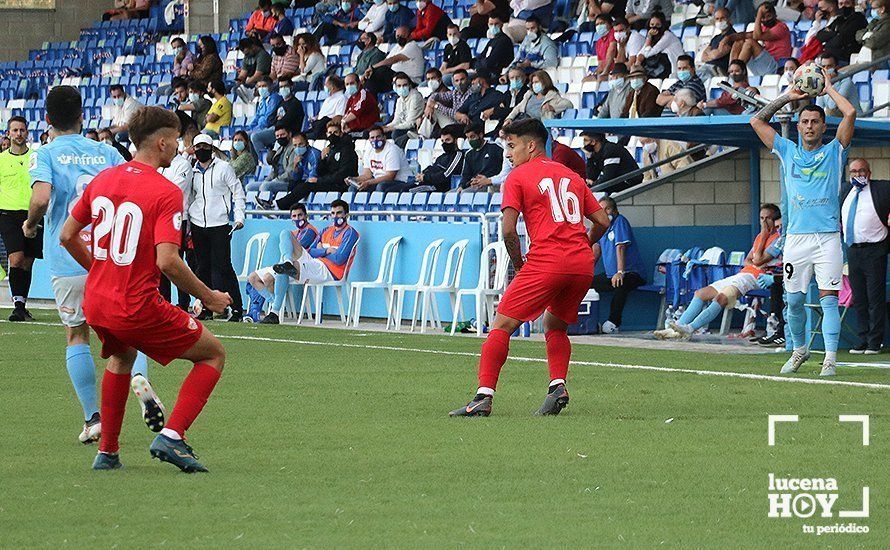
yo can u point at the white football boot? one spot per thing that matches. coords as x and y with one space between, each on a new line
795 361
153 412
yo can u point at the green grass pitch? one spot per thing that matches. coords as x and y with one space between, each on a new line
316 445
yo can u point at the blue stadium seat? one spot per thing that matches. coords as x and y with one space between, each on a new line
465 202
480 202
495 204
434 201
418 201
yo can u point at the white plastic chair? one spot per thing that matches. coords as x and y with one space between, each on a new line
259 241
487 289
454 265
427 271
383 280
318 290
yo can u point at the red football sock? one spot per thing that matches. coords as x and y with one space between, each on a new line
192 397
115 390
559 350
494 355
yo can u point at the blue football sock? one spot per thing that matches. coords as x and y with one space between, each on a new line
264 292
692 311
285 245
140 365
82 372
831 322
706 316
797 319
281 284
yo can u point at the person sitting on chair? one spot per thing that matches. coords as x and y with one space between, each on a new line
725 292
265 281
329 258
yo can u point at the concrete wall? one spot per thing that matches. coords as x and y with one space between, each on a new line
24 30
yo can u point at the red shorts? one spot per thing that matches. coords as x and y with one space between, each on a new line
163 333
531 292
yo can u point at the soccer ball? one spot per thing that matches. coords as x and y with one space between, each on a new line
809 79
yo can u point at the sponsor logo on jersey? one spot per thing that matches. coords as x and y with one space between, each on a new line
83 159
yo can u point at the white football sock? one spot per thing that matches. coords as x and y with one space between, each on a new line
485 391
171 434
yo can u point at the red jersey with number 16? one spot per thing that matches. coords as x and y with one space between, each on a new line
132 208
553 201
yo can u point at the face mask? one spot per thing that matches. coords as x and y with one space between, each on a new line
279 50
620 36
859 182
378 143
301 150
378 2
721 25
846 12
345 6
238 145
203 155
264 92
515 84
601 30
284 91
401 40
611 217
531 35
684 75
433 85
636 83
616 83
736 77
334 139
300 223
493 31
537 87
476 143
770 23
351 89
393 7
177 50
194 97
119 101
339 222
401 91
453 40
283 141
475 88
449 147
590 148
675 107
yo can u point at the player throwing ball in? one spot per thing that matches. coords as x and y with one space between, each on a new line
558 270
811 176
136 217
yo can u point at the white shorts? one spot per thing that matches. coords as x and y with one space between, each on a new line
264 272
813 253
744 282
69 299
313 270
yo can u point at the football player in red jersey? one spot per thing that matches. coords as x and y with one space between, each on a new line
136 219
558 270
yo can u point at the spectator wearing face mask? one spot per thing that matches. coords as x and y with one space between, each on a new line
726 103
123 108
457 54
480 12
107 136
543 101
526 10
846 88
370 54
284 26
607 161
281 159
482 98
397 15
220 113
437 176
196 106
244 158
256 64
183 63
641 11
333 106
619 90
208 67
627 42
406 57
386 168
786 81
661 49
338 162
686 79
362 110
481 182
264 117
432 22
876 35
517 87
605 46
261 21
715 59
683 105
375 18
335 27
740 11
642 101
441 107
285 61
776 39
497 52
484 158
298 163
313 63
834 31
409 107
289 113
537 50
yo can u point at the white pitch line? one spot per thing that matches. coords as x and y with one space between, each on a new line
748 376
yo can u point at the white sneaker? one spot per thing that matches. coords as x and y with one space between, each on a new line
90 433
153 412
609 328
685 331
829 368
666 334
870 351
795 361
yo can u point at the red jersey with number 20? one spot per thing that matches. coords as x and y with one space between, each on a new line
132 208
553 201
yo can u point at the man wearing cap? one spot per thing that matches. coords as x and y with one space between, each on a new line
641 102
619 89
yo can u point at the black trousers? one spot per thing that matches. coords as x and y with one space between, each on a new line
603 283
777 303
183 299
868 276
213 255
302 190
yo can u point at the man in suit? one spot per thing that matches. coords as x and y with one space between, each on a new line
864 219
641 102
